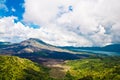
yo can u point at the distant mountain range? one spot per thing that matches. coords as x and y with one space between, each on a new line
5 43
33 45
108 48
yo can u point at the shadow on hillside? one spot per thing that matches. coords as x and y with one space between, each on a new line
39 56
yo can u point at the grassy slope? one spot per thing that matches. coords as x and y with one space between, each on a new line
15 68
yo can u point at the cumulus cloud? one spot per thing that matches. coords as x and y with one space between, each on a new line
16 32
11 31
90 22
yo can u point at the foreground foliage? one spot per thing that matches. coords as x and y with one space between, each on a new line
104 68
100 68
15 68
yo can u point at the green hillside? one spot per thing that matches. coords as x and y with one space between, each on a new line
106 68
15 68
100 68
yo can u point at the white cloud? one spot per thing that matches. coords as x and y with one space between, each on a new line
13 32
16 32
90 23
13 9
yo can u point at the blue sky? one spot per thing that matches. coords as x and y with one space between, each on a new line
60 22
17 5
16 8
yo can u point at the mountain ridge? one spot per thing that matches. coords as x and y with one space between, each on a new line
32 45
34 48
108 48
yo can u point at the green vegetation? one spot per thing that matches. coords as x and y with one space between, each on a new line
94 68
104 68
15 68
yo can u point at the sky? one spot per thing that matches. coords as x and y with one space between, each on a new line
61 22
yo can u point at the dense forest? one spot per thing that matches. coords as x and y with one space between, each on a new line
94 68
103 68
15 68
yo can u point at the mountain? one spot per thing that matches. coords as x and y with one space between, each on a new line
35 45
31 45
5 43
63 64
15 68
112 47
37 48
108 48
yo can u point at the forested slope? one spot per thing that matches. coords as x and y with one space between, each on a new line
15 68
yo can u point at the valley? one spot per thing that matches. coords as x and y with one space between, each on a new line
63 64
